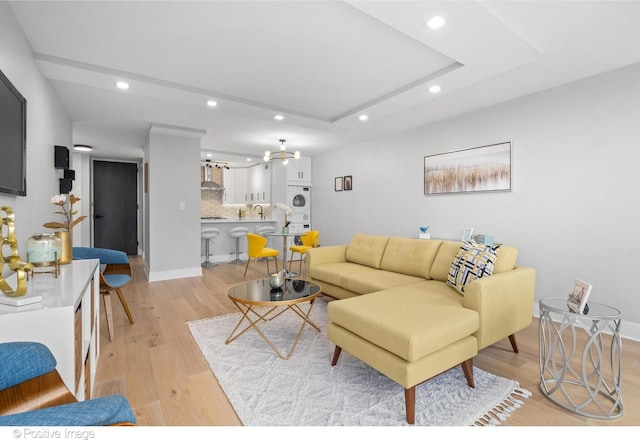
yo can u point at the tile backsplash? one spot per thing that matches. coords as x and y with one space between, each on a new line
211 201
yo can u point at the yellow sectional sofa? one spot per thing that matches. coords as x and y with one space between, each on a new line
404 310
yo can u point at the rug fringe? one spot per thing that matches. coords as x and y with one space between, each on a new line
502 411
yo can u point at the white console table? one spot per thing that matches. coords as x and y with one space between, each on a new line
66 320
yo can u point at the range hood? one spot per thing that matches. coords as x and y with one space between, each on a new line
208 183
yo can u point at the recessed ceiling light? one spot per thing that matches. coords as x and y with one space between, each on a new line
363 117
79 147
436 22
278 117
211 103
122 85
249 159
209 155
434 89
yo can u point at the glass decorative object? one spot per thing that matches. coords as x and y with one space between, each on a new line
277 280
44 250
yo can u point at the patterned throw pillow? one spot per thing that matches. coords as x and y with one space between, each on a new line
472 261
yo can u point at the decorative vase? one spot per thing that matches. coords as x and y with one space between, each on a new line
43 248
276 294
277 280
285 229
66 254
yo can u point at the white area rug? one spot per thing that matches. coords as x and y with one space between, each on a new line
307 391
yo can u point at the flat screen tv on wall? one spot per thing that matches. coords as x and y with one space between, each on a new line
13 139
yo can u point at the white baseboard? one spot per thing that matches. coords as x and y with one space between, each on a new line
174 274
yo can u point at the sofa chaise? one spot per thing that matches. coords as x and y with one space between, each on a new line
414 308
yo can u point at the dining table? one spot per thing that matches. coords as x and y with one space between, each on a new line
285 248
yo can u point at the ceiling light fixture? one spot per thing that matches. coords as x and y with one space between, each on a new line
363 117
436 22
219 164
283 154
208 182
211 103
434 89
80 147
278 117
122 85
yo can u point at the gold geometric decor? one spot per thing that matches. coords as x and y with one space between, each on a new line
7 218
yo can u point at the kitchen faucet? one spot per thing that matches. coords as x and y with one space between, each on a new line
261 214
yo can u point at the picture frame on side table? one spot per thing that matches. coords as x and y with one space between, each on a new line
578 297
468 233
338 184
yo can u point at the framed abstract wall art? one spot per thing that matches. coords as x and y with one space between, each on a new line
478 169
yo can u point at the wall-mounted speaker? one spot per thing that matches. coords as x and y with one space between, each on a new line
69 174
65 186
61 157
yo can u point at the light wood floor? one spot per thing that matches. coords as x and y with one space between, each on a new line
156 364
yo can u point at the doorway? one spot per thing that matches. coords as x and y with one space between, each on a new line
115 206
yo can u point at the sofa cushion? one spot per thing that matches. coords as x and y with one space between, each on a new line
404 324
442 263
366 250
410 256
333 273
374 280
506 260
472 261
434 292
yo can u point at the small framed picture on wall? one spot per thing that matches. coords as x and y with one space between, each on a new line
348 183
338 184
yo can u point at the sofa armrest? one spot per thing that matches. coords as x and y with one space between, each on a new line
326 254
504 302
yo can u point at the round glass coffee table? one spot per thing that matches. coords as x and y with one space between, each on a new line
258 302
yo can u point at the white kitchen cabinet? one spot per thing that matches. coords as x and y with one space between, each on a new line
228 182
299 171
66 321
235 186
259 183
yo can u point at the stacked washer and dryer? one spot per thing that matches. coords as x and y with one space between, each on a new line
299 200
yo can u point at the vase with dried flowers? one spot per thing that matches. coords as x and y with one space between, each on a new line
67 225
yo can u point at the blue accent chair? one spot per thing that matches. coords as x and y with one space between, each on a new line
115 273
32 393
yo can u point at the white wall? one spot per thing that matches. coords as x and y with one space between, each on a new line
573 212
47 125
173 242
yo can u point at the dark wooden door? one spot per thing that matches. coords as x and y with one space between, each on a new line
115 209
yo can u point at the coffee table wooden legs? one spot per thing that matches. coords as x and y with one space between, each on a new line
246 310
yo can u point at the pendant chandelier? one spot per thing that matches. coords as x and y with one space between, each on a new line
283 154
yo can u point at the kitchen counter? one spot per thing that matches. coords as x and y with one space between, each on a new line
223 247
236 220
